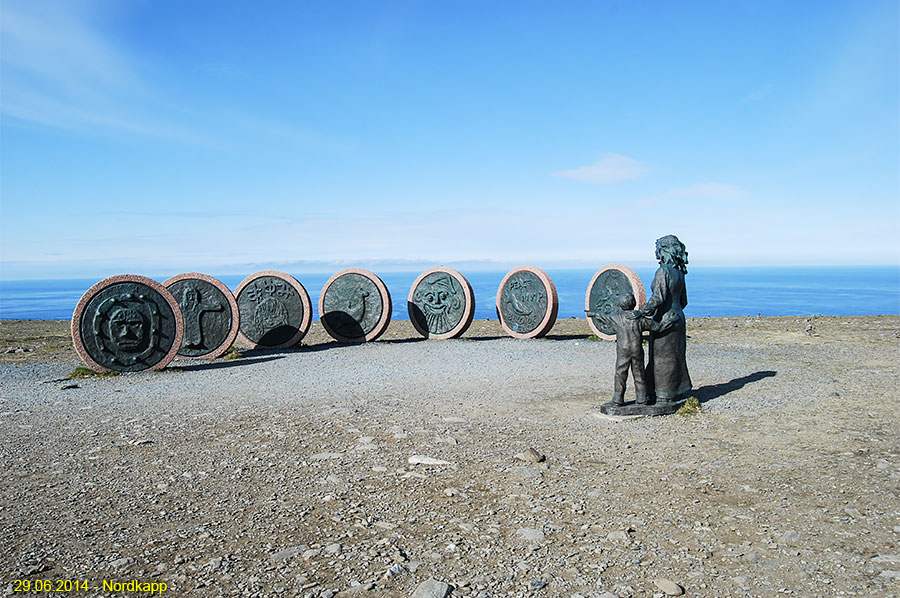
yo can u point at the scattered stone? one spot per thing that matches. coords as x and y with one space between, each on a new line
530 534
432 589
394 571
619 536
527 472
359 588
669 587
537 584
333 548
530 456
789 536
34 568
122 562
325 456
214 563
423 460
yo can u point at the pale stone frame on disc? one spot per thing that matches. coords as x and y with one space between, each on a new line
468 313
637 287
383 322
229 297
75 325
552 304
304 300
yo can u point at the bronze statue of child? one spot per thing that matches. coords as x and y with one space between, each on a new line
629 325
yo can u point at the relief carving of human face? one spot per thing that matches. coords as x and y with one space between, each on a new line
438 300
127 329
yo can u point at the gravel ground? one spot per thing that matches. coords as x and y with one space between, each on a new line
288 473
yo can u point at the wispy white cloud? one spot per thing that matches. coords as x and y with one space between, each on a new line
708 191
58 70
608 169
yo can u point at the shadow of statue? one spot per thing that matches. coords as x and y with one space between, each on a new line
714 391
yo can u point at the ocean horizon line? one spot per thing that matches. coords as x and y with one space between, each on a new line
712 291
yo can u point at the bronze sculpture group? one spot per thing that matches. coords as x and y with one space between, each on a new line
665 382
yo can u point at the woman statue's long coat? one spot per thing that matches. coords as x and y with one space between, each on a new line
667 371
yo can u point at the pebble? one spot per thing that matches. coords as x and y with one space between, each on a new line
618 536
325 456
528 472
431 588
669 587
789 536
537 584
530 534
423 460
333 548
288 552
530 456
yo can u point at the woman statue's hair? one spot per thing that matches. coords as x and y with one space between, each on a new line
671 251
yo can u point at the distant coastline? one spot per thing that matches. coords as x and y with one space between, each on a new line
712 291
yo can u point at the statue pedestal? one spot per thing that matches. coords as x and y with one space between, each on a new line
632 408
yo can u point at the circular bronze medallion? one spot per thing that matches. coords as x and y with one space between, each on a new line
527 303
355 306
211 316
604 292
441 303
274 309
127 323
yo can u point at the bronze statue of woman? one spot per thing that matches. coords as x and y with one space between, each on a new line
667 373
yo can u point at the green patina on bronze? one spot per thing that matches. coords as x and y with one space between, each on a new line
606 293
352 306
207 316
523 302
440 303
271 311
128 327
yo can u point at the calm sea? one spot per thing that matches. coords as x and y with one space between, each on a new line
831 291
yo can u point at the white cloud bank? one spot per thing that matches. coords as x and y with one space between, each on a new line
608 169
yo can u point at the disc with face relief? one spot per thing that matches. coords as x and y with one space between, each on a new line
441 303
127 323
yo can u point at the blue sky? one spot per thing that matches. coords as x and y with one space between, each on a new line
160 137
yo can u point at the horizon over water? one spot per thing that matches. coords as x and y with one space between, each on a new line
712 291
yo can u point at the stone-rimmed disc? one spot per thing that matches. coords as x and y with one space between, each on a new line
275 311
527 303
355 306
211 316
127 323
603 294
441 303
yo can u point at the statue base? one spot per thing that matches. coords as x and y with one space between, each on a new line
632 408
